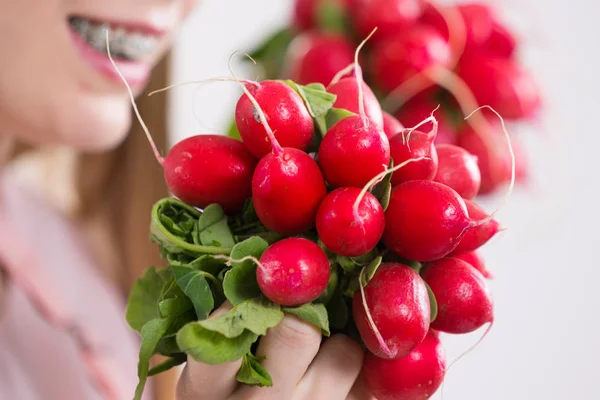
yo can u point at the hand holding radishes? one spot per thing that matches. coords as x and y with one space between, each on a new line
334 237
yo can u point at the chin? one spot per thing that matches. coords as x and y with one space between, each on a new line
96 124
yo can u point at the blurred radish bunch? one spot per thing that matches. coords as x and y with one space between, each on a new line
423 55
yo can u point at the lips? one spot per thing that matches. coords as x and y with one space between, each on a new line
124 43
131 46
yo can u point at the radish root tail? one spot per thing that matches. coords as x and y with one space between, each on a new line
376 179
512 170
470 349
380 340
157 154
359 79
230 260
200 82
277 149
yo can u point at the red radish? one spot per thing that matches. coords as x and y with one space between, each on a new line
476 261
293 271
478 236
408 53
287 189
463 296
206 169
425 220
493 157
346 91
433 17
388 16
398 305
344 231
306 12
287 185
391 126
501 42
353 152
502 84
202 169
286 114
355 149
413 145
420 107
415 376
458 169
317 57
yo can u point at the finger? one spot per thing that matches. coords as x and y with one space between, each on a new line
335 369
200 381
290 347
360 391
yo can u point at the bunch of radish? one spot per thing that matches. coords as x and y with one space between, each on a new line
424 54
326 209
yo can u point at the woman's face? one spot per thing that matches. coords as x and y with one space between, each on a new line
57 85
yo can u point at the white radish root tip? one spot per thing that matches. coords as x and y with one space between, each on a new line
377 178
277 149
359 80
240 260
157 154
512 170
341 73
406 132
200 82
380 340
470 349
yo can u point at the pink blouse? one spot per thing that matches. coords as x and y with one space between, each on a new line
62 330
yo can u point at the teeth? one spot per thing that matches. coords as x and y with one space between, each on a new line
123 44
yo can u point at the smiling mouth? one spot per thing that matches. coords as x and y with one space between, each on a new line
125 43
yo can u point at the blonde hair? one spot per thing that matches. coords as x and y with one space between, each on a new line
110 196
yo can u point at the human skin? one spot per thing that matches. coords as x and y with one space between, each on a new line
55 89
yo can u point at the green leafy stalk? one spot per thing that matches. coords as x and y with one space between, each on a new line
252 373
172 226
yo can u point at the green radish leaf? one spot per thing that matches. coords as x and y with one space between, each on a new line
331 17
335 115
415 265
255 315
194 285
337 310
252 373
249 213
211 347
213 228
271 54
169 363
206 263
174 306
144 296
172 227
347 264
240 282
233 131
383 190
353 286
318 102
365 259
151 334
370 270
167 346
316 314
433 305
332 285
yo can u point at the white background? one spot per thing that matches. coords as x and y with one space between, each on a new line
545 343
